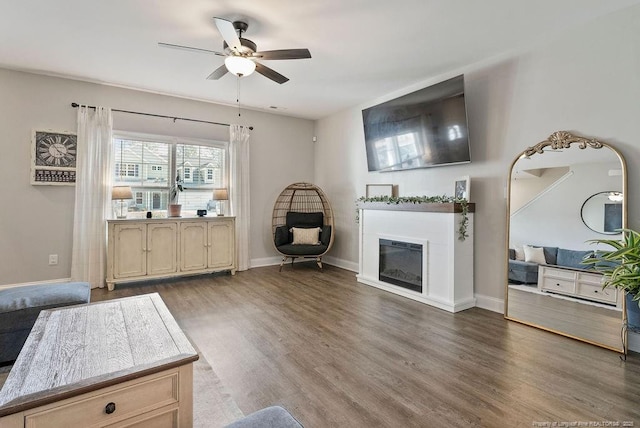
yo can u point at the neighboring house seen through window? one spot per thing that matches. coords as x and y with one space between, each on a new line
149 165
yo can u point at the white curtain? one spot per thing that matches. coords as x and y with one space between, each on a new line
239 190
93 198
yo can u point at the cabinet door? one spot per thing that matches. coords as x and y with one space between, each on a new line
193 246
161 248
221 244
130 252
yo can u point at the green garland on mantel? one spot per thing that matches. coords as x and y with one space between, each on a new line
464 205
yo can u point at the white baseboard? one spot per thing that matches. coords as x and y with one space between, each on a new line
264 261
274 261
344 264
489 303
47 281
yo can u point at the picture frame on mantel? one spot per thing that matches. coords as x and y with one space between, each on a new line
462 188
375 190
53 157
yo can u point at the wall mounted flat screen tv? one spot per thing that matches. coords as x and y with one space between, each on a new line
422 129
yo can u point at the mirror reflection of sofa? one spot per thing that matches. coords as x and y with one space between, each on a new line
524 262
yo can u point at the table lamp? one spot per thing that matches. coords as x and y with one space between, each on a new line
220 195
119 194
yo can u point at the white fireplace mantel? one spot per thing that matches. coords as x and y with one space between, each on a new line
447 261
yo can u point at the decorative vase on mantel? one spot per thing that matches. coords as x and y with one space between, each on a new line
174 210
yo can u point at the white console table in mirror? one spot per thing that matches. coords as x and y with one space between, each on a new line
414 250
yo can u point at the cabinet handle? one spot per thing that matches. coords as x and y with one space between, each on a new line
110 408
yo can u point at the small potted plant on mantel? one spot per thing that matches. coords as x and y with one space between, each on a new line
175 208
621 269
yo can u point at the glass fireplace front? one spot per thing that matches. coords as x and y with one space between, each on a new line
401 264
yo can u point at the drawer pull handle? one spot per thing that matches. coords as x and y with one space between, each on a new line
110 408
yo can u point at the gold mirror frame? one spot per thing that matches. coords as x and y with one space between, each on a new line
557 141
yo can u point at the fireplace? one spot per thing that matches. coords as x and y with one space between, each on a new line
401 264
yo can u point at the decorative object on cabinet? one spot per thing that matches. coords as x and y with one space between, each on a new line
373 190
119 194
201 213
140 249
175 208
53 158
462 188
220 195
302 205
547 185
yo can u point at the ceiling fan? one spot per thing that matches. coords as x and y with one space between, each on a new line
241 54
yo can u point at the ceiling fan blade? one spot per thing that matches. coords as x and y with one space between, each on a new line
189 48
271 74
218 72
283 54
228 32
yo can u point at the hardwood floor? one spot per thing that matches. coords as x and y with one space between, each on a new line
335 352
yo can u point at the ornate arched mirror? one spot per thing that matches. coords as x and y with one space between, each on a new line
563 192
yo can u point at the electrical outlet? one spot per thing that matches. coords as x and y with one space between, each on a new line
53 259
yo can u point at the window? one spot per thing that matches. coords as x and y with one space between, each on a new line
149 164
127 170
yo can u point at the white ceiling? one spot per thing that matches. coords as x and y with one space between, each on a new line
361 49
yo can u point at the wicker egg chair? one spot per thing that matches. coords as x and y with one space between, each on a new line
302 223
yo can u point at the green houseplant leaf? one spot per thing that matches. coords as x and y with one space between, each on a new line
620 265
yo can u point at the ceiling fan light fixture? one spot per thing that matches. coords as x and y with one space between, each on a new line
239 65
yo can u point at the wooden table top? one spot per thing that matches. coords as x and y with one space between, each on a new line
78 349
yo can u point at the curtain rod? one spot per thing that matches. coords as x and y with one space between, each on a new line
76 105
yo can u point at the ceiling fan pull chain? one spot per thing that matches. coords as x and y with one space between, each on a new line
238 96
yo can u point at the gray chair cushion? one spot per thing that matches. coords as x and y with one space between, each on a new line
325 235
302 250
20 306
282 236
296 219
270 417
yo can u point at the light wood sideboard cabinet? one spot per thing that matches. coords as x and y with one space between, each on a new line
141 249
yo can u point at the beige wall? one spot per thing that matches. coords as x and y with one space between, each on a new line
36 221
585 81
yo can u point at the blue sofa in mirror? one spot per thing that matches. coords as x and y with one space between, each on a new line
524 262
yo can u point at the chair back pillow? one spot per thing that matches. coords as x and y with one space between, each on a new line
306 236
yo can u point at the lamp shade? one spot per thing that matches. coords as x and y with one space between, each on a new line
121 192
239 65
220 194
